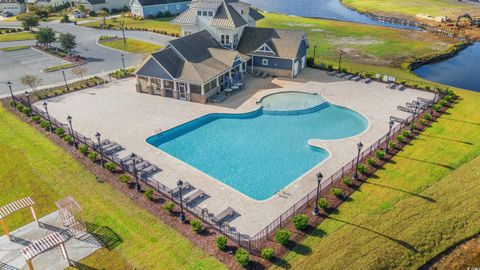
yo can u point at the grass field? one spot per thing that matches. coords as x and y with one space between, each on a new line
14 48
17 36
418 205
410 8
160 24
31 165
132 45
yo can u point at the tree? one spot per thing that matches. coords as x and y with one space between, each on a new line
28 20
103 14
79 71
67 42
45 36
31 80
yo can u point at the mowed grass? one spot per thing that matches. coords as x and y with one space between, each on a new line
31 165
17 36
131 45
14 48
410 8
424 201
160 24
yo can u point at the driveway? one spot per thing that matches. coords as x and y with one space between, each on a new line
101 59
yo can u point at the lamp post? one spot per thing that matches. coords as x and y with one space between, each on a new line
359 147
69 119
45 105
319 179
340 61
9 83
65 79
27 96
390 124
138 188
99 136
414 114
123 61
314 54
122 24
182 215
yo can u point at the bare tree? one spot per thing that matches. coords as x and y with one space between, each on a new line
31 80
79 71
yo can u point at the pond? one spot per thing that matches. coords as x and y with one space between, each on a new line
325 9
461 71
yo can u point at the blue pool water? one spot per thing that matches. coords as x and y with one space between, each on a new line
258 153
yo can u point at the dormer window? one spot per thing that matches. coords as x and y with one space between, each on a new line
265 49
225 39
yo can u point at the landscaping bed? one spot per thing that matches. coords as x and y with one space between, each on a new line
75 60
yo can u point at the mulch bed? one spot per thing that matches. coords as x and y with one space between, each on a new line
74 59
207 239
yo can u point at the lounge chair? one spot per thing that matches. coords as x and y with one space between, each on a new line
341 75
258 73
392 85
378 76
194 196
349 77
265 75
186 186
367 80
112 148
224 214
356 78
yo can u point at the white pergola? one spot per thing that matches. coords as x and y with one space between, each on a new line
71 214
44 244
13 207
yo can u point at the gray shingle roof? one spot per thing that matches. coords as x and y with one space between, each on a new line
255 14
227 17
169 60
285 43
189 16
158 2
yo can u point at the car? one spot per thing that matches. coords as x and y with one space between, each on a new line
78 14
7 14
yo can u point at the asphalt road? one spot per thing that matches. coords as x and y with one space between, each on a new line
13 65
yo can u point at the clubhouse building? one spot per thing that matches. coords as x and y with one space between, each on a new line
220 43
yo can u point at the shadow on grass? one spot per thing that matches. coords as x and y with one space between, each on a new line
81 266
102 235
461 121
282 263
428 162
404 191
398 241
301 249
448 139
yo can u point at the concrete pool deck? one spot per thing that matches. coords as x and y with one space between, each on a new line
129 118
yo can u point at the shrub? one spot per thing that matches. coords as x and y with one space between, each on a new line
148 193
268 253
36 119
406 134
60 132
20 107
221 242
322 203
421 122
400 138
391 145
92 156
347 181
242 257
45 124
92 13
380 154
11 103
27 111
310 62
371 162
437 107
110 166
361 168
282 236
169 207
337 193
196 226
443 102
83 149
414 126
124 178
427 87
300 222
68 139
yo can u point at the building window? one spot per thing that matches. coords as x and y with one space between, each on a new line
204 13
265 62
195 89
199 13
210 13
235 38
242 12
225 39
179 7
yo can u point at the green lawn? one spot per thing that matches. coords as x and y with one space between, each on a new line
17 36
415 207
160 24
410 8
31 165
14 48
132 45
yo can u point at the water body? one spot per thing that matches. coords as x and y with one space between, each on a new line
325 9
462 70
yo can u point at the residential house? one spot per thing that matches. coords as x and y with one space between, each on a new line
97 5
220 43
13 6
155 8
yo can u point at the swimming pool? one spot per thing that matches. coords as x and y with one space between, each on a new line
260 152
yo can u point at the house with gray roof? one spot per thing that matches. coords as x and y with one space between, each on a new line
157 8
220 44
15 7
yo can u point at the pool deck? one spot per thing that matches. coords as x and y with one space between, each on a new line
127 117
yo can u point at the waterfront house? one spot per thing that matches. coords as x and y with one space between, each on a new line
13 6
97 5
157 8
220 43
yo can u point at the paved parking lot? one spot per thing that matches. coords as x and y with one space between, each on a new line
35 60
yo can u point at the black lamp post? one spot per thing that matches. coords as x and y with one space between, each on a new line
99 136
340 61
45 105
414 114
390 124
314 54
319 179
138 188
182 215
359 147
11 93
27 96
123 61
65 79
122 24
69 119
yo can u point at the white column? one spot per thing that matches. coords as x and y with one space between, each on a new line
34 215
64 252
